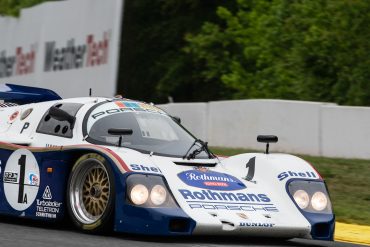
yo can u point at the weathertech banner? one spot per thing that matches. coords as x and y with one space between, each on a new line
67 46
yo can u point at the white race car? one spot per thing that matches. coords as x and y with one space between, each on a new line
124 165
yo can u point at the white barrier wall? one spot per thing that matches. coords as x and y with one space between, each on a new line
67 46
346 131
320 129
237 124
193 115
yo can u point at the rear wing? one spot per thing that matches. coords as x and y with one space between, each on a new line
11 93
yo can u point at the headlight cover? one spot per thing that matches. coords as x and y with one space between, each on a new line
158 195
310 196
148 191
139 194
301 198
319 201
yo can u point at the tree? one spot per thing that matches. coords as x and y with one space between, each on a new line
310 50
13 7
153 64
220 49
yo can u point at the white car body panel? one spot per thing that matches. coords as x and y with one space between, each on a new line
276 217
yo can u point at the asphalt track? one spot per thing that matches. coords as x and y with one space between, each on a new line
20 232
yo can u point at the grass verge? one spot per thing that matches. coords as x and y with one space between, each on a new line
348 181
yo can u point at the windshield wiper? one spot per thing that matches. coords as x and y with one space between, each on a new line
203 147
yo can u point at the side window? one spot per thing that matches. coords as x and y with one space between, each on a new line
51 126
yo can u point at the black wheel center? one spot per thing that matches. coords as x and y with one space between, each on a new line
95 191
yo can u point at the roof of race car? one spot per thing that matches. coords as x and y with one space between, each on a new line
13 95
25 95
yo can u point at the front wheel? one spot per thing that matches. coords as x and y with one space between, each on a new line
91 192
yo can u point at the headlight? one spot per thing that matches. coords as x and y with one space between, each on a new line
148 190
139 194
301 198
310 196
319 201
158 195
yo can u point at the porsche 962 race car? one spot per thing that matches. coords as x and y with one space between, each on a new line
125 165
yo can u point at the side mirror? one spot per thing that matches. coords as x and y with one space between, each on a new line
120 133
61 115
177 119
267 139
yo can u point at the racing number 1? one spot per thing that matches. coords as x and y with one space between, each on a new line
21 192
22 164
251 168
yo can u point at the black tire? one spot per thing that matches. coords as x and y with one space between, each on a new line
91 194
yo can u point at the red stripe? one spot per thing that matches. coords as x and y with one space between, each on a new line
30 148
315 170
116 156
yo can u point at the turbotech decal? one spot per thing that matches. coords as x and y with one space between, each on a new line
211 180
47 208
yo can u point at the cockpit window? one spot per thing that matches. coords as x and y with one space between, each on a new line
152 129
51 126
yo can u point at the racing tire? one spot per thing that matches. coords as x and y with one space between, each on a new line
91 194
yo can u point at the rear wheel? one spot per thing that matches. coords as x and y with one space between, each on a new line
91 192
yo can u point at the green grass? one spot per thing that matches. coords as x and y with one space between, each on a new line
348 181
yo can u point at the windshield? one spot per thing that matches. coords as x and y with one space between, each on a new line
152 129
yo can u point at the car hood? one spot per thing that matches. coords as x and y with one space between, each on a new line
217 196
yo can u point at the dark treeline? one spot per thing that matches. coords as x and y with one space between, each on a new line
154 62
217 49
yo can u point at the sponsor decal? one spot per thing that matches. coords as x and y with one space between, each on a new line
223 196
91 53
138 106
46 208
13 117
21 179
231 207
144 168
242 215
215 200
10 177
127 106
25 126
21 62
34 179
47 194
211 180
287 174
201 168
253 224
51 145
